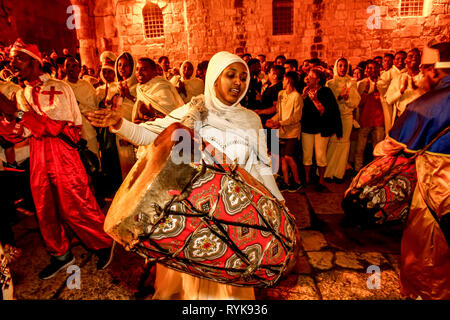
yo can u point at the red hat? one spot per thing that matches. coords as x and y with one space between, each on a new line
108 60
108 64
30 49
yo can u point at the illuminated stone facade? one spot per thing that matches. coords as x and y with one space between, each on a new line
196 29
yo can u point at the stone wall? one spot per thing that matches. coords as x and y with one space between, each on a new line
346 31
196 29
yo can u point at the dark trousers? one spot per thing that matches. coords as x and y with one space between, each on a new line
14 185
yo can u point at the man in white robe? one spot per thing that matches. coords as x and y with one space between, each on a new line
156 96
407 86
384 82
86 98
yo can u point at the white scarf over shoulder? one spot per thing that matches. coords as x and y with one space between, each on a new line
160 94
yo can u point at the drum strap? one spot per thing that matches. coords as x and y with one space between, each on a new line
444 222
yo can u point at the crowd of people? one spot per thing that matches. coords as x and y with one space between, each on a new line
327 117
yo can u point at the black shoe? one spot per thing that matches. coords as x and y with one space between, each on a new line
105 257
56 265
338 181
283 186
320 188
328 180
294 187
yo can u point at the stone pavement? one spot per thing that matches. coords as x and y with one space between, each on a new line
333 263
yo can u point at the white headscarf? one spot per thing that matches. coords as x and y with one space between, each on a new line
211 112
335 72
131 80
235 118
217 64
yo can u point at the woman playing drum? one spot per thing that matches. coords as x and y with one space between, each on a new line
228 127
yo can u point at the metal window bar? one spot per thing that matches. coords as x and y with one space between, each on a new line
283 17
411 8
153 21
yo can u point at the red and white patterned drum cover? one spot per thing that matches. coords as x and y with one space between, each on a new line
223 225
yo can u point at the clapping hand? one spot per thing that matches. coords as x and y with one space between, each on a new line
125 91
104 117
312 95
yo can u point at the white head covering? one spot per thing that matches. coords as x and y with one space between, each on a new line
131 80
217 64
335 72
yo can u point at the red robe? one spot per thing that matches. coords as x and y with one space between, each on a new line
59 182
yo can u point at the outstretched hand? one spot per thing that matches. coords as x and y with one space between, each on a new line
104 118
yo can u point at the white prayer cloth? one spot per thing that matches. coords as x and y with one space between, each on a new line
386 77
160 94
126 108
126 152
383 83
337 84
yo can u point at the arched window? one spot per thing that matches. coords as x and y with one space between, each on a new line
283 16
153 21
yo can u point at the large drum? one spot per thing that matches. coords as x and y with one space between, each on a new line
382 191
211 221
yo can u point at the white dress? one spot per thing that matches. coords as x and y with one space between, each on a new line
170 284
339 148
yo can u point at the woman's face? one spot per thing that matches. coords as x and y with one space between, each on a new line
231 83
342 68
124 68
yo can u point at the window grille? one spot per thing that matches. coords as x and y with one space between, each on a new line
411 8
283 17
153 21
